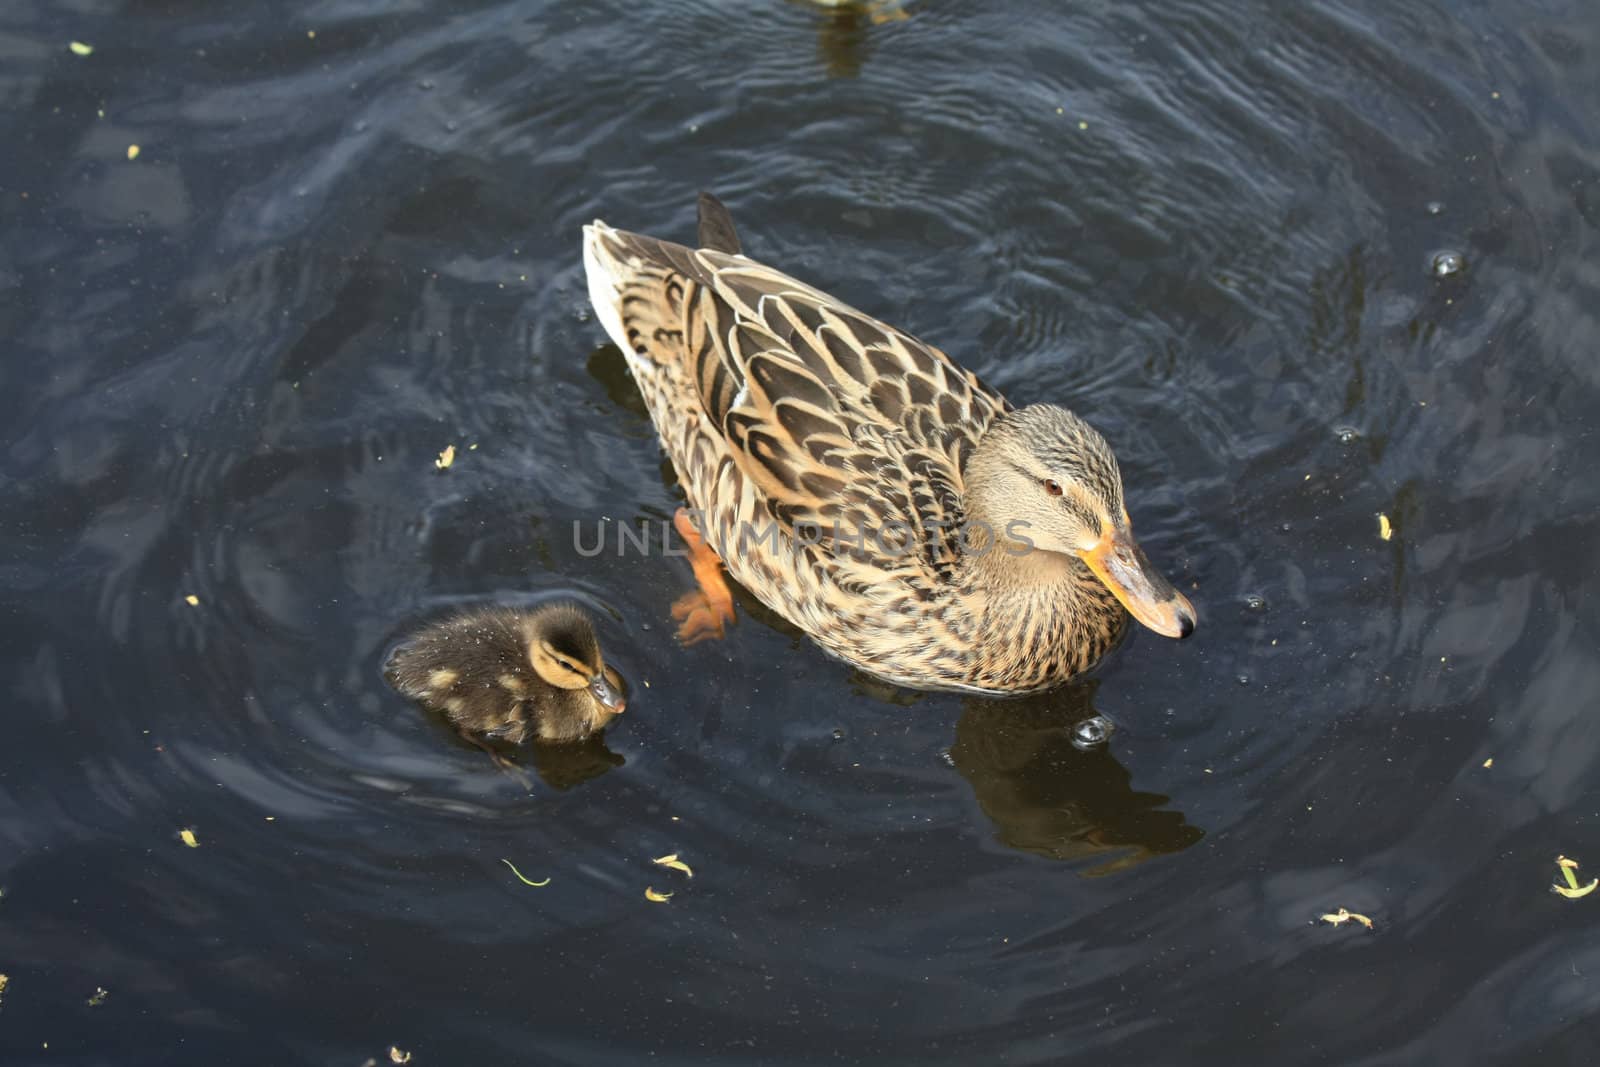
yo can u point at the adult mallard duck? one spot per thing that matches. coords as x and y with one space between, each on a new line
512 676
862 485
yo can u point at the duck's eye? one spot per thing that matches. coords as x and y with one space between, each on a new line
1052 487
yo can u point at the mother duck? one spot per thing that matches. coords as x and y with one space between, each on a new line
862 485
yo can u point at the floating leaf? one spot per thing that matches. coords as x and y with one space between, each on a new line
675 863
81 49
187 836
1488 762
133 152
192 600
1385 531
659 898
447 457
520 877
1572 889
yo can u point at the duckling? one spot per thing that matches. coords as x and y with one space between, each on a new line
511 676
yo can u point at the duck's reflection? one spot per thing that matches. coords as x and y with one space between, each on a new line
564 766
843 28
1048 797
558 765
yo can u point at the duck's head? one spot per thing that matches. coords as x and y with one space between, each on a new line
1047 481
564 652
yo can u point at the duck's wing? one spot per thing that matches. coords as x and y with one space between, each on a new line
837 418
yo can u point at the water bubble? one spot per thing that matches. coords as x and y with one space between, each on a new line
1435 207
1243 679
1092 732
426 83
949 760
838 735
1447 263
1347 434
1255 602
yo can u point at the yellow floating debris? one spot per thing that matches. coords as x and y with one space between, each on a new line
187 836
675 863
447 457
1576 891
1488 762
659 898
1385 531
192 600
81 49
98 998
397 1056
513 866
133 152
1344 915
1572 890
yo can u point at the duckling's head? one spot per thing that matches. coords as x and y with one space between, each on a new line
563 651
1044 479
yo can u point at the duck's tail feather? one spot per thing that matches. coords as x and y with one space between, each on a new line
717 231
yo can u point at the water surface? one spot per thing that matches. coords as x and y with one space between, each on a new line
350 238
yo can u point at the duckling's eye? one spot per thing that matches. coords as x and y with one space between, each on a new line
1052 486
571 666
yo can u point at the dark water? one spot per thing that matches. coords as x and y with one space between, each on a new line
1208 227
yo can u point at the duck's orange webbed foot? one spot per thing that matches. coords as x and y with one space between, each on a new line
701 613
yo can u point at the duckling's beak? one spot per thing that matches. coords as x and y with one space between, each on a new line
1119 562
606 693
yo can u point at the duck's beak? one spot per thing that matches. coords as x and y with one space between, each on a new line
601 688
1119 562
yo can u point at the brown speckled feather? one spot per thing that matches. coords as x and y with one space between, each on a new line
835 417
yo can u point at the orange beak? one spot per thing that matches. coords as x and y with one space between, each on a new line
1119 562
